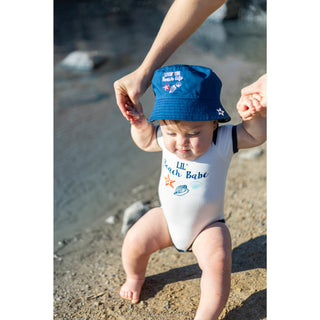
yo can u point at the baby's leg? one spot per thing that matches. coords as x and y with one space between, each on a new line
213 251
149 234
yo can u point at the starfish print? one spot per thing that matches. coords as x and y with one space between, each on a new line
166 87
169 182
220 112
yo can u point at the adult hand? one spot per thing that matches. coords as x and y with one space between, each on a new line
183 18
259 91
128 90
249 105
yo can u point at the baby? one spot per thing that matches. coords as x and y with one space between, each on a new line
196 156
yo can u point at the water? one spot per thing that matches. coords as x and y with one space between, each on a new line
97 166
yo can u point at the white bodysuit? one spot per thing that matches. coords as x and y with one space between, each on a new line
192 192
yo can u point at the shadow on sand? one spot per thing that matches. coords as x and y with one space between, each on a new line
253 308
247 256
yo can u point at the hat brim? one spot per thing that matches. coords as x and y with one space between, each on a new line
189 110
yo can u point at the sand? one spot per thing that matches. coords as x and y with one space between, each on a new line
88 273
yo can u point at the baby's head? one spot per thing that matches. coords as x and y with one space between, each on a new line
187 139
188 97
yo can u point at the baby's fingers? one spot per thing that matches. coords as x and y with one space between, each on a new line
257 105
133 113
246 115
244 104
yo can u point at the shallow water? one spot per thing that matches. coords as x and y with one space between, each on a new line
96 164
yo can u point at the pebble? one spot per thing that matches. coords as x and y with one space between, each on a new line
110 220
133 214
138 189
143 304
58 258
62 243
251 153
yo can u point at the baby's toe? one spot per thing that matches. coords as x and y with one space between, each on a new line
123 294
135 297
129 295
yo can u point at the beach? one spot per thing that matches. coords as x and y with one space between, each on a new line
88 272
99 172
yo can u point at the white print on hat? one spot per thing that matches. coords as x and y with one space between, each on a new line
177 76
220 112
172 89
168 76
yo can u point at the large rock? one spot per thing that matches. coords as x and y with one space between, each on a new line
234 7
133 214
83 60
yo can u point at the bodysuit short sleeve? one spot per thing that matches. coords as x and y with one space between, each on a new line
226 141
159 137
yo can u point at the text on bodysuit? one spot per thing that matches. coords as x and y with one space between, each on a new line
180 170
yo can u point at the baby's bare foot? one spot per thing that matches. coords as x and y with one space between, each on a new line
131 289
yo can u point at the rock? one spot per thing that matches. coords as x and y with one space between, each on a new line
62 243
83 60
236 7
133 214
58 258
110 220
233 7
251 153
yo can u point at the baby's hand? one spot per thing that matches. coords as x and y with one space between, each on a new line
134 116
248 106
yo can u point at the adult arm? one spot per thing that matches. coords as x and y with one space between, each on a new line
181 21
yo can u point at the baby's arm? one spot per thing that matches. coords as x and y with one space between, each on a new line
143 133
252 131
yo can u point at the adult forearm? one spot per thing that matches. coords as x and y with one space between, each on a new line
183 19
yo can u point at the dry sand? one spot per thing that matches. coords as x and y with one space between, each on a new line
88 271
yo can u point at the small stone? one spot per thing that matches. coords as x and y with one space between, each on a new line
251 153
110 220
62 243
58 258
138 189
143 304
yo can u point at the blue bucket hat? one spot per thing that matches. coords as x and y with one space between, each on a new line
189 93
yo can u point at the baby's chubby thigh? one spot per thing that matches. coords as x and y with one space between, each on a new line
212 248
150 233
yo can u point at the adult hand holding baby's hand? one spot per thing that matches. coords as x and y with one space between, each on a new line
128 90
250 105
253 99
135 115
